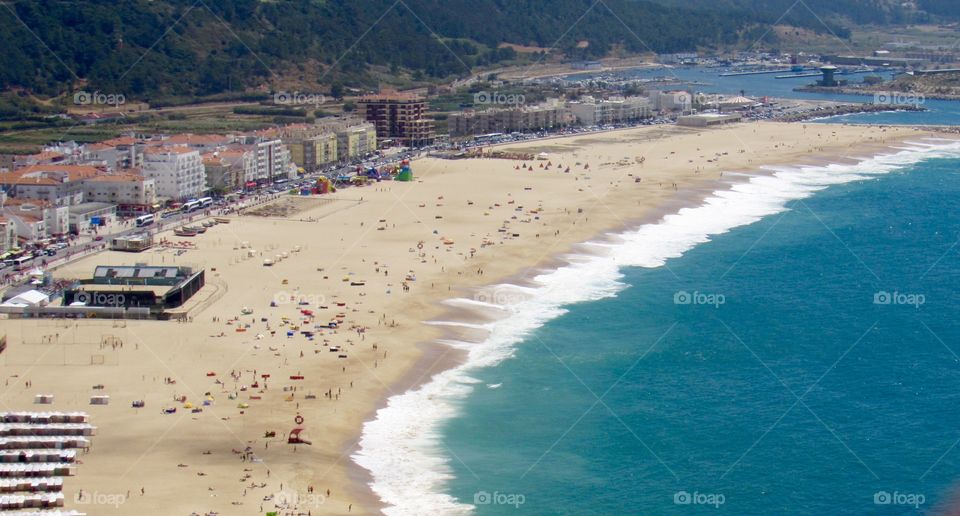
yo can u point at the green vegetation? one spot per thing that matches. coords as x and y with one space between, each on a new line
170 51
833 17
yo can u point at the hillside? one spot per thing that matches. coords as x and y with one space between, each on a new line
149 49
834 16
945 85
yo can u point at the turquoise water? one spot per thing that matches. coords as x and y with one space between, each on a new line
782 387
708 80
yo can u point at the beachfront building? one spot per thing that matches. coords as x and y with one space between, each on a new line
28 226
91 214
60 185
231 169
153 288
271 158
36 219
329 140
312 152
129 190
272 161
670 100
177 171
356 141
400 118
311 145
590 111
8 234
548 115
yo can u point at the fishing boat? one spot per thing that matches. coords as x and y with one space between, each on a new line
185 232
221 220
198 229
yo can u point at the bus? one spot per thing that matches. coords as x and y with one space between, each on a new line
20 263
145 220
190 206
205 201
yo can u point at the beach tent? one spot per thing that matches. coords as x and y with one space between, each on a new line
28 298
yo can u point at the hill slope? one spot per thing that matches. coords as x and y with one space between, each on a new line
204 47
149 48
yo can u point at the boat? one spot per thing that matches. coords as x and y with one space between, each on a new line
208 224
220 220
184 232
198 229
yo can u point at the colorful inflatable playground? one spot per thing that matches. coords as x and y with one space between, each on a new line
394 172
397 172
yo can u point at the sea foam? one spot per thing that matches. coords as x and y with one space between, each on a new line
402 447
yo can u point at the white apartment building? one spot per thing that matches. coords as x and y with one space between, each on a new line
57 184
591 111
130 191
35 220
273 161
177 172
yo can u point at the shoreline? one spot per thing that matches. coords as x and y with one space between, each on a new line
463 201
684 199
437 356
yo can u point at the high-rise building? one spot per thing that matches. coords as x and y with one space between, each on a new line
177 172
398 118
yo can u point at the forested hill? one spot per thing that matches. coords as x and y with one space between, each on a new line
834 16
150 48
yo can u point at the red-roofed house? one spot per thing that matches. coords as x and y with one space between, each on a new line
34 219
60 185
47 157
201 142
128 189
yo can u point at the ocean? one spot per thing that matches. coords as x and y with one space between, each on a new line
788 346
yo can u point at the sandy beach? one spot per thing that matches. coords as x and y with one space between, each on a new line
377 259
